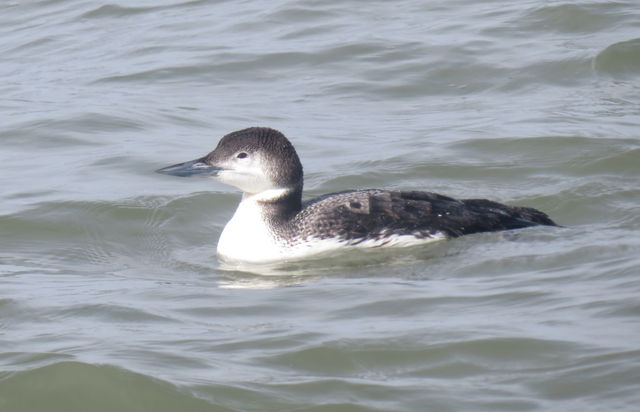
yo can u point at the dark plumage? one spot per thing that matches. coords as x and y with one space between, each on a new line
359 215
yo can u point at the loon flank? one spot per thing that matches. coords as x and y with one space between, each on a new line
272 222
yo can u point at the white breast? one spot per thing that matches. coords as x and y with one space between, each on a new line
247 237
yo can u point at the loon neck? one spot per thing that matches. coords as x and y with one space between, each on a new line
278 204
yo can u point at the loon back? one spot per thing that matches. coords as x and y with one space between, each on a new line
376 214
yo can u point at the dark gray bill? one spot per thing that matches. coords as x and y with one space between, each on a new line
194 167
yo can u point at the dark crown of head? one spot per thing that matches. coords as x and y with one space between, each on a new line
287 171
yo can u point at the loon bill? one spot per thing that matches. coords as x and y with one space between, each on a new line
272 222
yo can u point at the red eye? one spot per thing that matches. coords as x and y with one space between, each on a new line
242 155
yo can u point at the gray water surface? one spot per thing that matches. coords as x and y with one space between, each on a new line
112 297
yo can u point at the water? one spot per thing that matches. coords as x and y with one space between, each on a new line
111 297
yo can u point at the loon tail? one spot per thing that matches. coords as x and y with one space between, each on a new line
505 217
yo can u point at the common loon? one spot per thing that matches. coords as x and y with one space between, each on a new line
272 222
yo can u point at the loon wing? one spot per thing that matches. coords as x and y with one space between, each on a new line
366 214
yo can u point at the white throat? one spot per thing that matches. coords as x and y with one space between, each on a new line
266 195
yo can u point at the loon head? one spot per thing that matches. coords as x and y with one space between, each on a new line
258 161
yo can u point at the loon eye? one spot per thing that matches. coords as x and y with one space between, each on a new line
241 155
